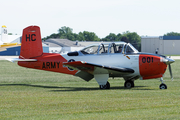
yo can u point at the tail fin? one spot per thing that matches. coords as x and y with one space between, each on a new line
31 44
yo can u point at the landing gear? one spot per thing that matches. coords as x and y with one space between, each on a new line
129 84
162 85
107 86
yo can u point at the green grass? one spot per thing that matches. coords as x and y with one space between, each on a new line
33 94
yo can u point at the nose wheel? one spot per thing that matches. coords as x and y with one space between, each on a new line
162 85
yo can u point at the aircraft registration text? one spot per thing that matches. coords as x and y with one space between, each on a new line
50 65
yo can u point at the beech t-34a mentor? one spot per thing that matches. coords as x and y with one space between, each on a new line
99 61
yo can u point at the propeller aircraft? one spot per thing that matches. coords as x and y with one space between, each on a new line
99 61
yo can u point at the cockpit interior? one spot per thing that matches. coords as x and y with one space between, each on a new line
106 48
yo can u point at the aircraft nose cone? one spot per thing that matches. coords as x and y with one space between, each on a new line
169 61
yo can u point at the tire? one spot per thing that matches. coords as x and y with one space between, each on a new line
107 86
162 86
129 84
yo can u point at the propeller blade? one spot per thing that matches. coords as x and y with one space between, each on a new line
170 71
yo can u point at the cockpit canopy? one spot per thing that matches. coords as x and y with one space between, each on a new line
110 48
106 48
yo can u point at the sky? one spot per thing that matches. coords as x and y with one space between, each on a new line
145 17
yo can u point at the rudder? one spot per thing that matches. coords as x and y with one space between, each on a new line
31 44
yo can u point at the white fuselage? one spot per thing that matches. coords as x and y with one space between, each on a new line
112 60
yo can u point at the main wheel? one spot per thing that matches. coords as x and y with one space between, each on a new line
129 84
162 86
107 86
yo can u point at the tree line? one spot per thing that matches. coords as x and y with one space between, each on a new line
131 37
172 34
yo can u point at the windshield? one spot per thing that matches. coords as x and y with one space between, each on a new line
131 49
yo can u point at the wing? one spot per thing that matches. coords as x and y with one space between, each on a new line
116 69
92 69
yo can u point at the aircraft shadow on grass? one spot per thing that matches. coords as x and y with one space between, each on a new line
64 89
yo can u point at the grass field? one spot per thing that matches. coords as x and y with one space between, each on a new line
32 94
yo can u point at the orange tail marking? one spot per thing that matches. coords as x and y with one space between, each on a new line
31 44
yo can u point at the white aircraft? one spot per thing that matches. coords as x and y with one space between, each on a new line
99 61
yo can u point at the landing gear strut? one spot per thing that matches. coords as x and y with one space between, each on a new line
129 84
107 86
162 85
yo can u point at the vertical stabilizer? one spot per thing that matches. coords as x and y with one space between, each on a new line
31 44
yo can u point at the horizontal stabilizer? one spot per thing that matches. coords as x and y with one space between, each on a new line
17 59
